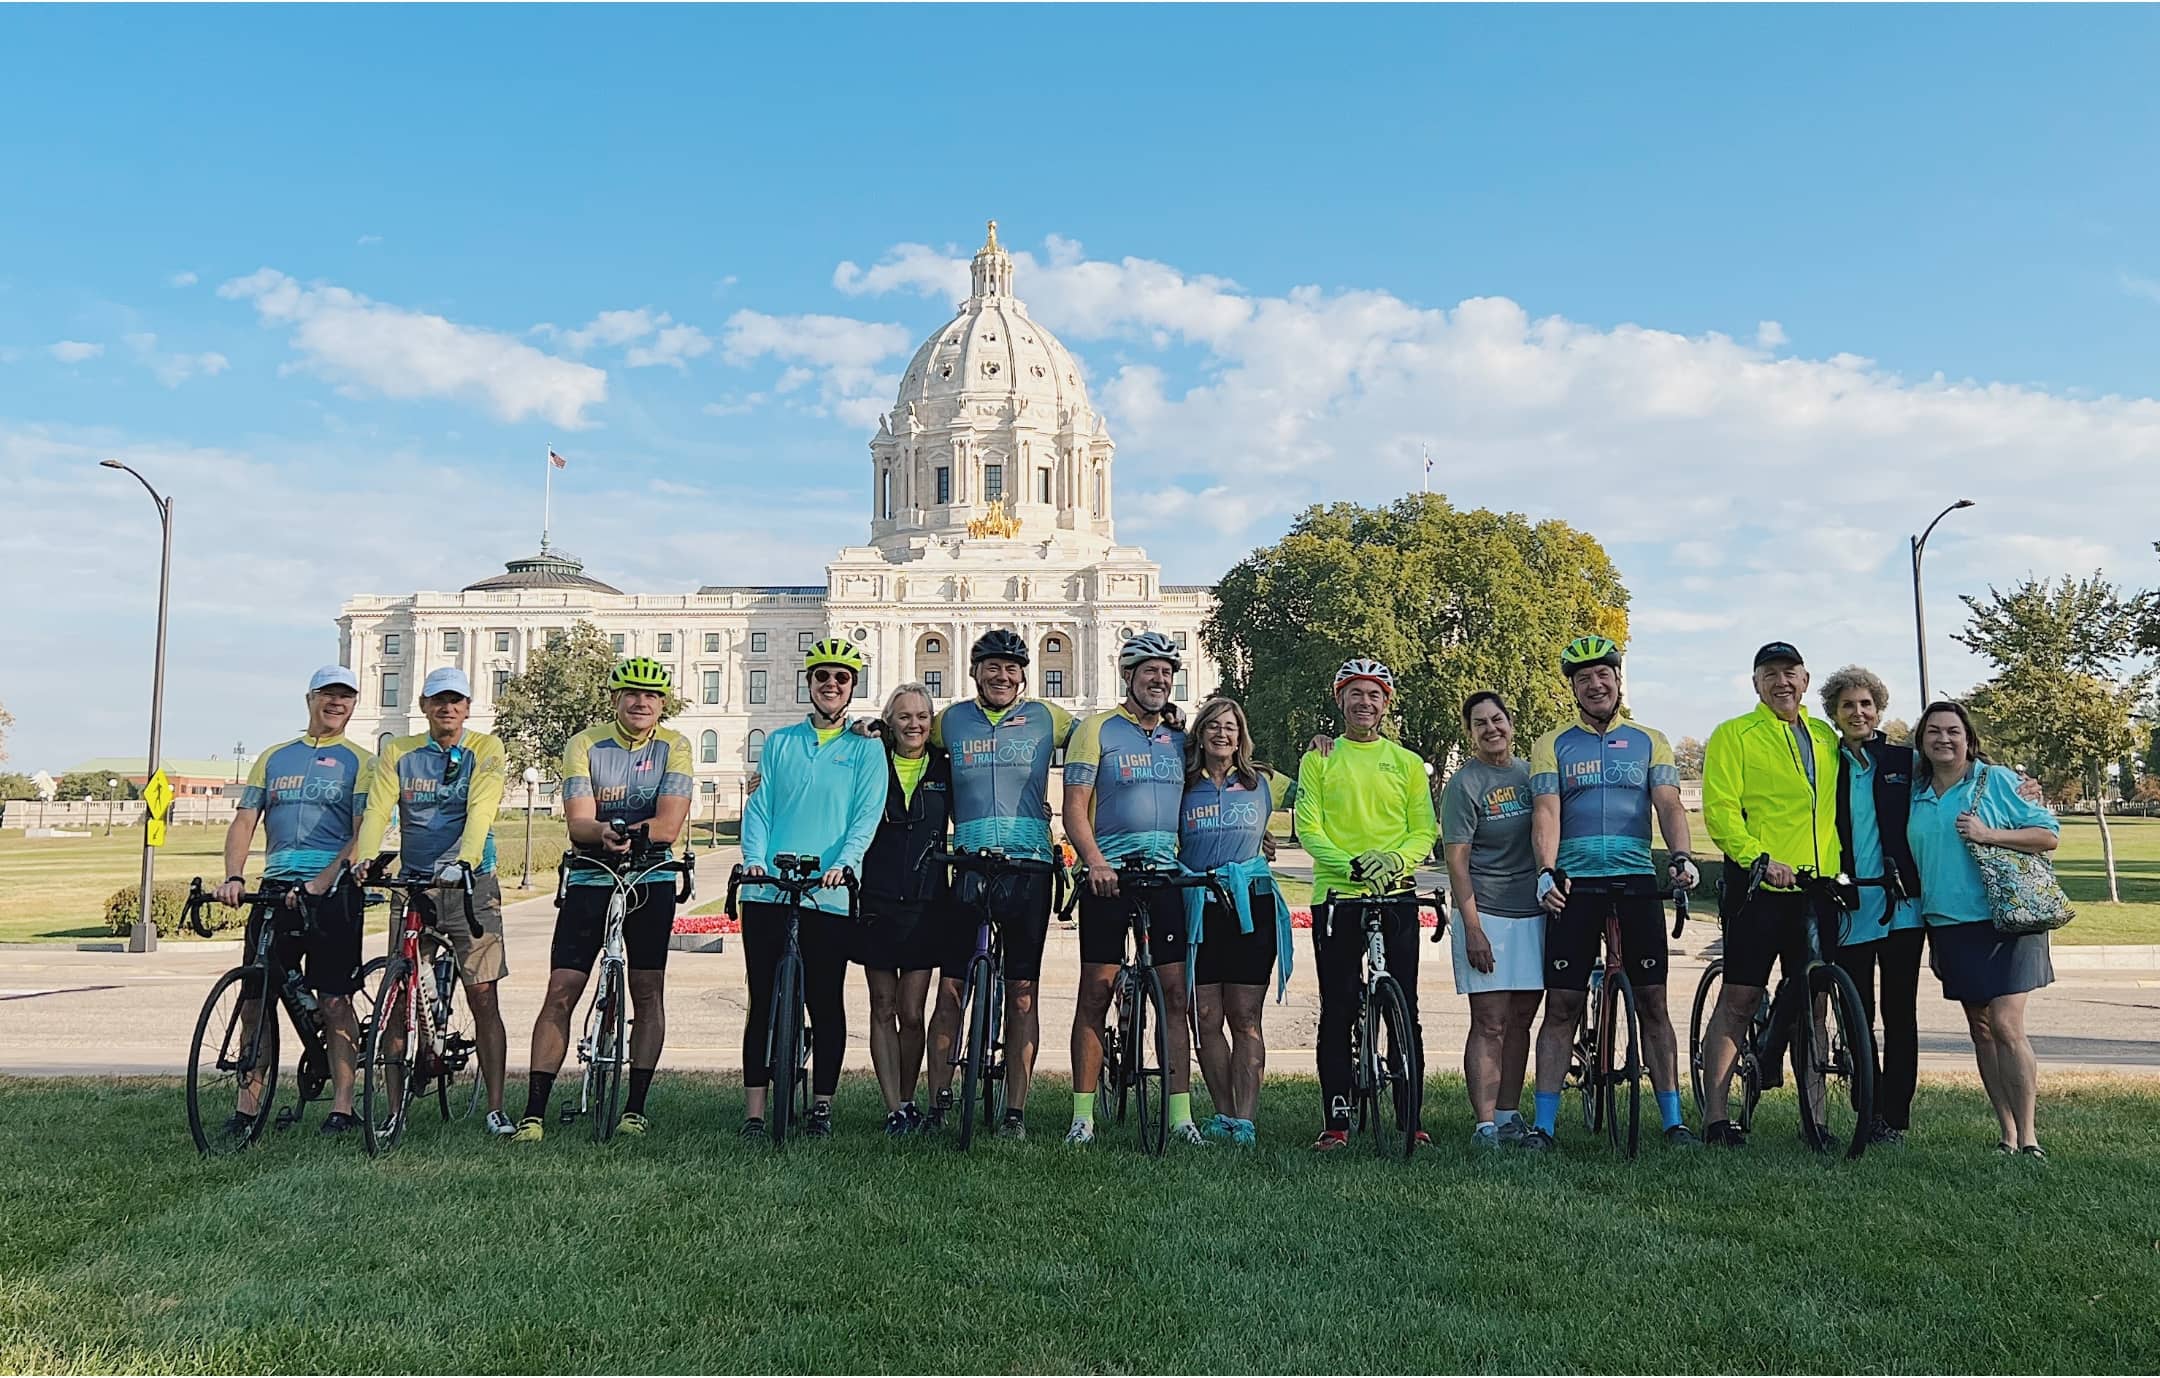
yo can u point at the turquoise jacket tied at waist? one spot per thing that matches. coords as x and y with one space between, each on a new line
1239 879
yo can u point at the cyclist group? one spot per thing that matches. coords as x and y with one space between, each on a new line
1544 856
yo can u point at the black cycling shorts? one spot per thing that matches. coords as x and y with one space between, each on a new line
1105 922
327 956
1230 956
1021 902
1772 927
1575 937
581 927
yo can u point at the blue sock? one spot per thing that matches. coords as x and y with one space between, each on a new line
1668 1104
1548 1110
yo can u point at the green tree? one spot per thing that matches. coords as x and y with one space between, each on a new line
1454 601
562 691
2088 626
16 785
1897 732
1688 756
90 784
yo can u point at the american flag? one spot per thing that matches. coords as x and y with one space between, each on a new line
557 460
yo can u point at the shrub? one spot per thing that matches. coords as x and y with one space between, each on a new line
168 910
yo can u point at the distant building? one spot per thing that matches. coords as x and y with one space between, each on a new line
200 779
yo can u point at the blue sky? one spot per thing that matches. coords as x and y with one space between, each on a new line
1748 293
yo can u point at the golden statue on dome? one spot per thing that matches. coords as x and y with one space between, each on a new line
995 521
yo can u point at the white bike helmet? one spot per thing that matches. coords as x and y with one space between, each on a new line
1145 646
1362 668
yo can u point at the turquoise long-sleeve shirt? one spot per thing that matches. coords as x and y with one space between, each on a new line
821 800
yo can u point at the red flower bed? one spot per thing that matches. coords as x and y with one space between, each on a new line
706 923
1302 918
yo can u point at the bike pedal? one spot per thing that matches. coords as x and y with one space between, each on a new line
568 1114
287 1118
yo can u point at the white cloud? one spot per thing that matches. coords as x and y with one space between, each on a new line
915 268
182 280
367 240
665 341
2143 287
74 351
840 353
1769 335
1679 620
173 369
1697 554
731 405
369 346
670 346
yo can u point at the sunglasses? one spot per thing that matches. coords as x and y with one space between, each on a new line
454 767
831 676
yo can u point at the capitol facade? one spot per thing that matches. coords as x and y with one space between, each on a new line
991 505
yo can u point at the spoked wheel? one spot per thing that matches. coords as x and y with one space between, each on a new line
993 1091
388 1085
234 1058
1149 1054
1834 1064
784 1047
1115 1085
1583 1057
611 1051
1396 1071
972 1078
1743 1085
1619 1067
439 973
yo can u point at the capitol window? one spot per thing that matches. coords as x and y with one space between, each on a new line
757 686
757 643
754 746
805 640
993 482
616 641
1053 645
934 681
709 747
452 642
502 677
802 686
712 686
393 644
944 484
667 642
1179 638
934 646
712 643
390 689
1054 683
554 636
1042 485
502 641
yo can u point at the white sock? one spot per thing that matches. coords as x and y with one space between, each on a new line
1486 1125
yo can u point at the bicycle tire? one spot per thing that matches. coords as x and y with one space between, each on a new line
1847 1065
977 995
611 1052
454 1022
783 1047
388 1087
993 1092
1114 1084
1150 1058
204 1099
1396 1068
1621 1068
1583 1055
1743 1085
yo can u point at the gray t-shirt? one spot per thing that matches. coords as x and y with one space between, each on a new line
1489 808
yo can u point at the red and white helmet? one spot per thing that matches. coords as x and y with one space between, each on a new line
1362 668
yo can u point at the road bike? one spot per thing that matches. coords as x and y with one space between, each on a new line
787 1028
1605 1063
1817 1019
422 1040
233 1063
604 1048
1387 1057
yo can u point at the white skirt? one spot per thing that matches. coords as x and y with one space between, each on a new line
1518 949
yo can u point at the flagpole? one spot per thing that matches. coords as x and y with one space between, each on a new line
1425 478
547 499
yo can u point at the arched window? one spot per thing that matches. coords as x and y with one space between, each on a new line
754 748
709 747
382 743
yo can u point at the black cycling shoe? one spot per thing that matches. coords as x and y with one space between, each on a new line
237 1125
1882 1134
914 1115
897 1125
939 1108
819 1125
338 1122
753 1128
1724 1134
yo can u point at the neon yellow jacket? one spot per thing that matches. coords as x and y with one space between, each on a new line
1365 797
1757 797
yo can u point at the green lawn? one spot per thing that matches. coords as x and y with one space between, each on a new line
689 1251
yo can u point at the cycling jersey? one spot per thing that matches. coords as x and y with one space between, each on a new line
1760 794
1603 780
821 798
1139 781
437 821
311 792
1363 797
625 778
1222 824
1001 773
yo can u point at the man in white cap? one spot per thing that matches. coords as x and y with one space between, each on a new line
446 784
308 793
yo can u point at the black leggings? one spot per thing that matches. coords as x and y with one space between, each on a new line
1341 962
825 964
1898 958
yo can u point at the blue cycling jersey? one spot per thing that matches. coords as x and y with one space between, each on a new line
312 792
1001 773
1604 781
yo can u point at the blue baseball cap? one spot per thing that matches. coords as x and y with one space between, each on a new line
449 679
333 676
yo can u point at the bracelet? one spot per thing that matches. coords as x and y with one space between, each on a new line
236 880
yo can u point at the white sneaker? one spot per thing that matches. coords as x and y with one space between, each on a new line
1080 1135
500 1125
1189 1135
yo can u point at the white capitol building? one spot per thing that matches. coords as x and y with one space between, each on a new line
990 506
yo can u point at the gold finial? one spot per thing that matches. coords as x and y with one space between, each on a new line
991 243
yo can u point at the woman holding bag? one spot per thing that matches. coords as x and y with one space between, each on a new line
1959 804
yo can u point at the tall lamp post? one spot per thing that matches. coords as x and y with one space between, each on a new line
144 937
532 782
1919 608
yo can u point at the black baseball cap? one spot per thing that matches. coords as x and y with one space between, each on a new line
1778 650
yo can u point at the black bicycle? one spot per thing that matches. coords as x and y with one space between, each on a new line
421 1040
604 1049
981 1059
787 1029
1387 1060
1605 1063
1831 1041
232 1071
1136 1040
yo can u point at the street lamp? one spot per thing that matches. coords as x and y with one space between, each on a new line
144 937
112 792
1919 548
532 778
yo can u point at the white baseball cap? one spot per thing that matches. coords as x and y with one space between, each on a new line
448 679
333 675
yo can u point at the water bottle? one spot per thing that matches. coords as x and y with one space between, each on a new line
445 973
298 992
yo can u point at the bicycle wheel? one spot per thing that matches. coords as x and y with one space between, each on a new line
1839 1054
387 1084
993 1092
611 1051
977 995
1114 1084
235 1052
1583 1058
1620 1068
448 1017
1149 1056
783 1046
1743 1084
1397 1070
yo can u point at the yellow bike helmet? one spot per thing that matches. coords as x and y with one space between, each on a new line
640 672
1585 651
834 650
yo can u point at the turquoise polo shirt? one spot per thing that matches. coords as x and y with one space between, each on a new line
1873 920
1950 886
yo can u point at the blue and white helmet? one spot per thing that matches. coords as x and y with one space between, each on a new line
1145 646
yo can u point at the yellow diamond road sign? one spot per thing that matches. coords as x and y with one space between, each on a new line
158 795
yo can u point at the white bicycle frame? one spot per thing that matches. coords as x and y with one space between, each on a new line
614 957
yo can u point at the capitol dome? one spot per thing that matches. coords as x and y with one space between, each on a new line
992 435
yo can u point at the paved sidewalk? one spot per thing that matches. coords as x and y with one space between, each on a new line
67 1012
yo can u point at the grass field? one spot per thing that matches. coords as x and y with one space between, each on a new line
690 1251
